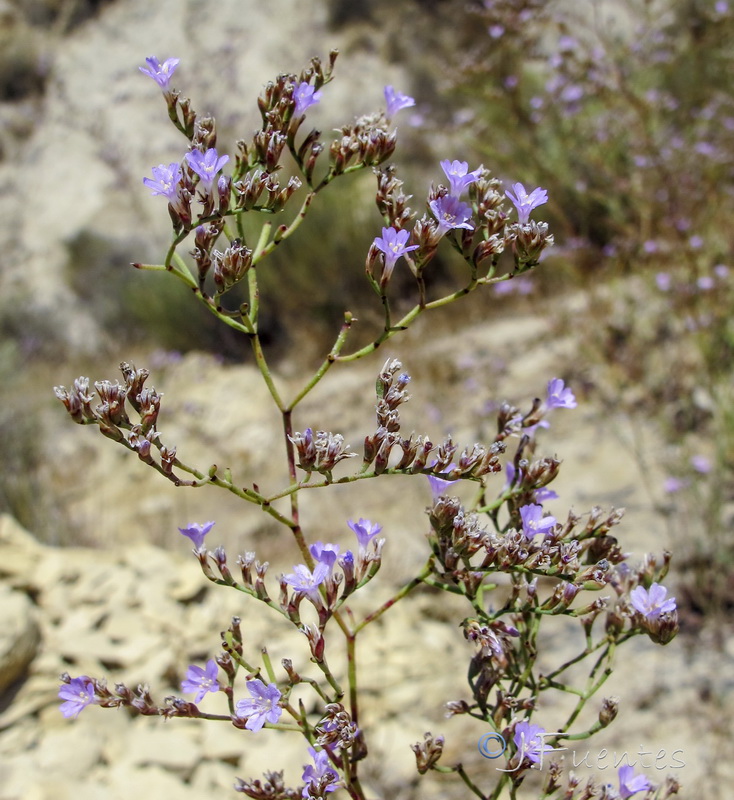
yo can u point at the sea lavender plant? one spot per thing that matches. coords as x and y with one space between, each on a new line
514 566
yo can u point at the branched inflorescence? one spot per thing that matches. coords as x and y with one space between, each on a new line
515 565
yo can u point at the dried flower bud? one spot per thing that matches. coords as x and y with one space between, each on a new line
427 752
609 710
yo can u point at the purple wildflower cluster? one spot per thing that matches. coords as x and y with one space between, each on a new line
544 565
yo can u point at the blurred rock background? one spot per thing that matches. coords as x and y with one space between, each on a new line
94 577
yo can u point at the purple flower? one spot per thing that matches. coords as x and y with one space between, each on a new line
320 776
396 101
451 213
263 707
671 485
303 580
305 96
325 553
78 694
206 165
393 245
663 281
458 175
524 202
529 742
166 181
201 680
365 531
161 73
651 603
533 521
559 396
196 532
440 485
701 464
630 784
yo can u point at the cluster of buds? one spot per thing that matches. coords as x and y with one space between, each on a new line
271 788
111 416
231 266
336 729
392 203
494 639
320 452
365 142
528 241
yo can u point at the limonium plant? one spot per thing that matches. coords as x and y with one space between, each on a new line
516 567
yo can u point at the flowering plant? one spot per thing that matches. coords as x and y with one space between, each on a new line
515 566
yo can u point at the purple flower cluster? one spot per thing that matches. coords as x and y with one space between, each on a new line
394 244
320 777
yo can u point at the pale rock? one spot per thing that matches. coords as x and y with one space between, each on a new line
71 751
20 554
170 745
19 636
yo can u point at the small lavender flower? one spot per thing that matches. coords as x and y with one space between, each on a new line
524 202
458 175
451 213
196 532
393 244
305 96
161 73
166 181
206 166
529 742
303 580
701 464
440 485
263 707
365 531
396 101
663 281
320 777
201 680
533 521
651 603
630 784
559 396
671 484
78 694
325 553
